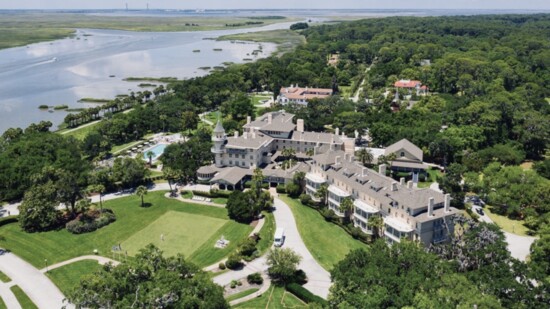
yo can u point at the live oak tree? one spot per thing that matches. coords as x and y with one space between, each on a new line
283 264
38 211
150 280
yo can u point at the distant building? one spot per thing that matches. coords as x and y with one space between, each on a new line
297 95
412 85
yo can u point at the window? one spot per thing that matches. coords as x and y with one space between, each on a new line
402 154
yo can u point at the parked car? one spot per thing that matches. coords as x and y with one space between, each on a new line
480 211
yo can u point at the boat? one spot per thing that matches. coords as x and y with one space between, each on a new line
54 59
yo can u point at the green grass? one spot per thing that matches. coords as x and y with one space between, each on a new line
58 246
286 40
213 116
81 132
241 294
433 174
182 232
2 304
507 224
327 242
274 298
266 233
4 277
22 298
119 148
18 29
155 173
257 98
68 277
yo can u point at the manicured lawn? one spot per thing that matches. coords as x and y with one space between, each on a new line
4 277
242 294
22 298
213 116
266 233
327 242
68 277
127 146
80 132
507 224
257 98
181 233
2 304
58 246
274 298
433 174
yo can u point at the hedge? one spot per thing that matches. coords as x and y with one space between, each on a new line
212 194
281 189
305 295
8 220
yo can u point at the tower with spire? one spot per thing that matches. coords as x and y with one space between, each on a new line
219 139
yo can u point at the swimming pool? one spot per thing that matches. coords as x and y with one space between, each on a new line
157 151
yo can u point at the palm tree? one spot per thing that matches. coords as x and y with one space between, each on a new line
150 155
346 205
99 189
376 224
289 154
365 156
322 194
141 191
170 175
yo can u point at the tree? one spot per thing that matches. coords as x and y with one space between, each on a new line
376 224
322 194
149 280
365 156
189 121
38 211
238 107
170 175
283 264
346 206
141 191
150 155
240 206
129 171
100 189
299 26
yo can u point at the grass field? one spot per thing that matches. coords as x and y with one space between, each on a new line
80 132
507 224
22 298
327 242
286 40
266 233
274 298
2 304
182 233
241 294
433 174
4 277
257 98
18 29
58 246
68 277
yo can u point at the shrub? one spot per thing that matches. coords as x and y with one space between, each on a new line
356 232
233 284
90 221
305 295
293 190
255 278
305 199
248 247
299 277
233 261
221 266
422 177
248 184
281 189
328 214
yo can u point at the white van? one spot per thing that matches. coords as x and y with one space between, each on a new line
279 237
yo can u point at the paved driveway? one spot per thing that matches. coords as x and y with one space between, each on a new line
35 284
517 245
318 278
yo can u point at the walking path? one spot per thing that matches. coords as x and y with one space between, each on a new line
100 259
517 245
263 289
34 283
8 297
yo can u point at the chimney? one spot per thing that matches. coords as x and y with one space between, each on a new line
382 169
364 171
431 207
337 131
245 135
248 119
409 184
269 118
236 133
394 186
337 159
402 181
447 202
300 125
351 158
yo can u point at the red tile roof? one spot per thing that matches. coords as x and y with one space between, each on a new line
404 83
297 93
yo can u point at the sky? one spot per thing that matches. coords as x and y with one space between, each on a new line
277 4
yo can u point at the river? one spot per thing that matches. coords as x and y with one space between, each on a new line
93 64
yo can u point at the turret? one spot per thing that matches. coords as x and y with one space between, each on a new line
218 138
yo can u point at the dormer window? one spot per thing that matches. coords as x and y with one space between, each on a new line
402 153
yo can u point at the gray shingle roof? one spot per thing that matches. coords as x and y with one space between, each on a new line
281 119
219 127
405 144
248 142
232 175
